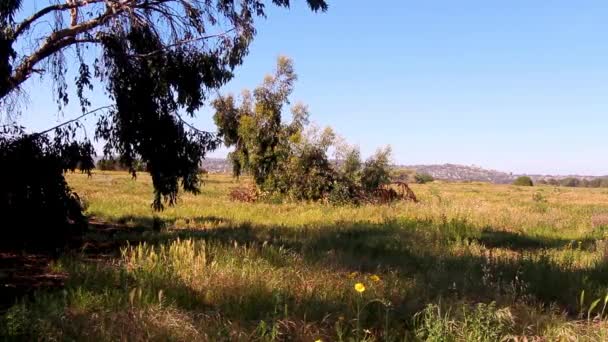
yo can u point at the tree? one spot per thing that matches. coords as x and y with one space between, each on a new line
290 159
156 61
255 130
523 181
281 157
376 170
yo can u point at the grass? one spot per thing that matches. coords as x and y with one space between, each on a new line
470 262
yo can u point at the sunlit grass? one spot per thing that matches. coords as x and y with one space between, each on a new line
471 261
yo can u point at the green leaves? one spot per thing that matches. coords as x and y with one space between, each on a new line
255 128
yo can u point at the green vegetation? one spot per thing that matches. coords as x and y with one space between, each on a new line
523 181
573 182
468 262
291 159
151 62
423 178
114 164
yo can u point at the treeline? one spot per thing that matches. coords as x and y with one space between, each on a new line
114 164
574 182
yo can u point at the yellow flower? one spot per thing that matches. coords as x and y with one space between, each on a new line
359 287
353 275
319 340
374 278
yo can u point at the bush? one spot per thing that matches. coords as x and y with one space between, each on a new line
39 208
422 178
523 181
311 176
376 171
570 182
344 191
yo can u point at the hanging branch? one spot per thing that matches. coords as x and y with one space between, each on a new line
72 120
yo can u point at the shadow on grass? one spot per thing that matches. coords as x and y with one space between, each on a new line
515 241
443 259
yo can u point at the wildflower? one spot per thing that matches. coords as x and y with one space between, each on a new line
359 287
319 340
374 278
353 275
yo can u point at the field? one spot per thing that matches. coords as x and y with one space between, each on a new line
470 262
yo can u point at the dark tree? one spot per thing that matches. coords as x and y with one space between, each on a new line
38 208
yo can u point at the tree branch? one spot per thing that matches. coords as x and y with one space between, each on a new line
182 42
55 42
72 120
26 23
191 126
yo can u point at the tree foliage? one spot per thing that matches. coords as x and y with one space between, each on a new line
523 181
157 60
376 170
39 209
291 158
423 178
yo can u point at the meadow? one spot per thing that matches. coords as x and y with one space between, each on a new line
469 262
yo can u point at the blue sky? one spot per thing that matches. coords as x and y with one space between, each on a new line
514 85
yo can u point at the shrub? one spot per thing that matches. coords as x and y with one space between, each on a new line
523 181
244 194
570 182
39 208
311 176
352 165
376 171
422 178
344 192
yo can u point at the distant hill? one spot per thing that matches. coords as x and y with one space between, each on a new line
454 172
448 172
216 165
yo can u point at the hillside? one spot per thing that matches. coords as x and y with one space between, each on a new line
448 172
454 172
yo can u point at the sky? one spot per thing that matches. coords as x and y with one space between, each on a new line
518 86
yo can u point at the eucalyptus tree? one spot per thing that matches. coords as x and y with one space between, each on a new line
156 61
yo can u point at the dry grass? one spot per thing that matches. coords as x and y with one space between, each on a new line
225 270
